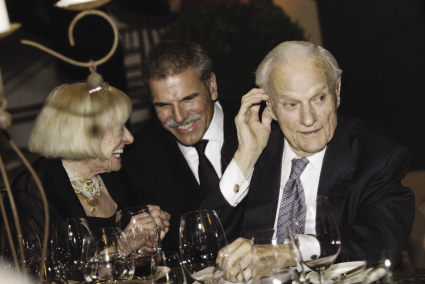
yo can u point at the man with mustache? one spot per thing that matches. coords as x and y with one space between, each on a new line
162 165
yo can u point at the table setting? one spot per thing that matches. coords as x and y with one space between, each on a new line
108 255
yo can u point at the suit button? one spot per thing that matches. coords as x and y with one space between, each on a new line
236 188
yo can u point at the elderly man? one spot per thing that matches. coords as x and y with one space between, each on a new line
163 164
359 170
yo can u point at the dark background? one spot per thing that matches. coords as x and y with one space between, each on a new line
380 45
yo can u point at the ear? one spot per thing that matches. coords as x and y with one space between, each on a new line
213 87
338 91
269 106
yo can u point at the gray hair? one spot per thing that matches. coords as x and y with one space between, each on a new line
169 58
288 51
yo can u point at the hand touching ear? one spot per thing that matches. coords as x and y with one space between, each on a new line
253 133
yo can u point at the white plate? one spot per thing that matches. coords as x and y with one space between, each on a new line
337 269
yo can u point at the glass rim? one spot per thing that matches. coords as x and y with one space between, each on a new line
208 211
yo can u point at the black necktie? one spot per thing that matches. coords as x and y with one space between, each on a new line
208 177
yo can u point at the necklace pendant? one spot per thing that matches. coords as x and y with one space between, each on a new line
92 201
92 209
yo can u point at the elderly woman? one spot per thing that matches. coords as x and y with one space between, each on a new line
80 134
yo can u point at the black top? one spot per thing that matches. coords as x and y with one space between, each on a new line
62 200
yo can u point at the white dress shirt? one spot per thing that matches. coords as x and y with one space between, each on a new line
309 179
215 135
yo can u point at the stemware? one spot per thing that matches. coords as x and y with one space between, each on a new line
142 234
202 240
268 259
54 272
320 244
67 238
107 256
31 246
172 271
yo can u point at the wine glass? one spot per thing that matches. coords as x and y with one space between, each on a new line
31 246
142 234
202 240
268 259
107 256
54 272
171 270
318 247
67 238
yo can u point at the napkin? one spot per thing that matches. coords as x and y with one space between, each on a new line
375 274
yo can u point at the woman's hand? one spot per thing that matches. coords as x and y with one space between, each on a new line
162 219
142 233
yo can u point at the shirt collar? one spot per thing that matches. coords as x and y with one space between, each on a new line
215 131
315 160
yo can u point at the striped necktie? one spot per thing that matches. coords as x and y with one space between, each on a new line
293 193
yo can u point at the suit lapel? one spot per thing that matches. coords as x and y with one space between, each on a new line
230 144
181 171
337 164
337 170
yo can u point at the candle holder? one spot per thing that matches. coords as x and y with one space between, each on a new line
6 121
90 64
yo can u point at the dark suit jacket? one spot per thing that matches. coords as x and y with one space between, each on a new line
160 174
361 175
62 200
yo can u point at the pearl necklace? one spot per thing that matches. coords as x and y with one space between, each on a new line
90 188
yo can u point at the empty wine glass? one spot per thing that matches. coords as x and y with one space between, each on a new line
171 270
107 256
320 244
31 246
142 234
67 238
268 259
201 239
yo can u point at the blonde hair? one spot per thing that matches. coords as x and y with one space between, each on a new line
72 122
289 51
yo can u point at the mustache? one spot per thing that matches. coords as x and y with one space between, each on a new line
191 118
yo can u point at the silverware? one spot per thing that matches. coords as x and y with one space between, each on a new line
348 273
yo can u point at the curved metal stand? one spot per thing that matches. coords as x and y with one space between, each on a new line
89 64
5 122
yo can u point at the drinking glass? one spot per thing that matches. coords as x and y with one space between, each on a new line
320 244
142 234
268 259
201 240
31 246
54 272
107 256
67 238
171 270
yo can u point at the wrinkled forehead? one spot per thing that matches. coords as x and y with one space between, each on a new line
296 74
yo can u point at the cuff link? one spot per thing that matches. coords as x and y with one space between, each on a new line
236 188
